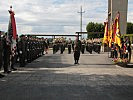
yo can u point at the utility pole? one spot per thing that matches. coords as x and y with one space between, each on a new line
81 13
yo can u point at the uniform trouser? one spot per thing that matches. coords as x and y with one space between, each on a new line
13 61
6 63
54 49
112 54
115 54
90 49
28 57
76 55
98 48
83 49
62 49
130 54
22 60
1 62
69 49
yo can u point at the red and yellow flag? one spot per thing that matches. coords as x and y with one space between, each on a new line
105 39
117 35
111 33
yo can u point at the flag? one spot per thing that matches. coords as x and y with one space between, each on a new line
12 32
111 32
117 35
105 39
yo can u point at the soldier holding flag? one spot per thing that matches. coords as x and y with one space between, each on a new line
11 37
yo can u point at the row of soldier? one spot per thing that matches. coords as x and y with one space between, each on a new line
28 48
89 45
123 52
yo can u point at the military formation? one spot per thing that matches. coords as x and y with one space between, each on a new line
28 48
89 45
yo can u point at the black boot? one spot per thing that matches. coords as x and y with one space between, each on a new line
75 62
78 62
1 76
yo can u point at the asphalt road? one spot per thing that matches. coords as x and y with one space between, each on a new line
55 77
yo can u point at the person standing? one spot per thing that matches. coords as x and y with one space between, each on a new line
22 50
77 48
1 55
69 45
6 54
83 46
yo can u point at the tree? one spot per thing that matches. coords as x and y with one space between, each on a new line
95 27
129 28
90 27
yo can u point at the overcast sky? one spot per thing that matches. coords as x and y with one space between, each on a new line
54 16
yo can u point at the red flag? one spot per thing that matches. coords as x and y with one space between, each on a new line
13 23
12 32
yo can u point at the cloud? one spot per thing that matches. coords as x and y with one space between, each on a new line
59 16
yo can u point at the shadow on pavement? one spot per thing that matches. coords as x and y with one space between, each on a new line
97 64
51 85
50 62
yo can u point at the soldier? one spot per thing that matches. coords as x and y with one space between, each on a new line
77 48
83 46
98 46
61 45
6 54
1 54
46 45
22 50
28 49
69 45
54 46
89 46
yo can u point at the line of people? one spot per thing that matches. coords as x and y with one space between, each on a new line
123 53
89 45
28 48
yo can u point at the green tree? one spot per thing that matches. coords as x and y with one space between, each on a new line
129 28
94 27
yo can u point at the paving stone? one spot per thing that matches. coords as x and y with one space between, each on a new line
55 77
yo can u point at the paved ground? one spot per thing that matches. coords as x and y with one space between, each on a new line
55 77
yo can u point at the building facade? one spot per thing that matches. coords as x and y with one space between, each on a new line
115 6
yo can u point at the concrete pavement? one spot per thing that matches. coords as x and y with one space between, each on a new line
55 77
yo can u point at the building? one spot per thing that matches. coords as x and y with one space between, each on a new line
113 7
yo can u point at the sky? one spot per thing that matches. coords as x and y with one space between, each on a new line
55 16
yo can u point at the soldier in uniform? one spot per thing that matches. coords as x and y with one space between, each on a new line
69 45
28 49
6 54
112 50
22 50
1 54
1 51
14 58
46 45
89 46
77 48
61 46
83 46
54 46
98 47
